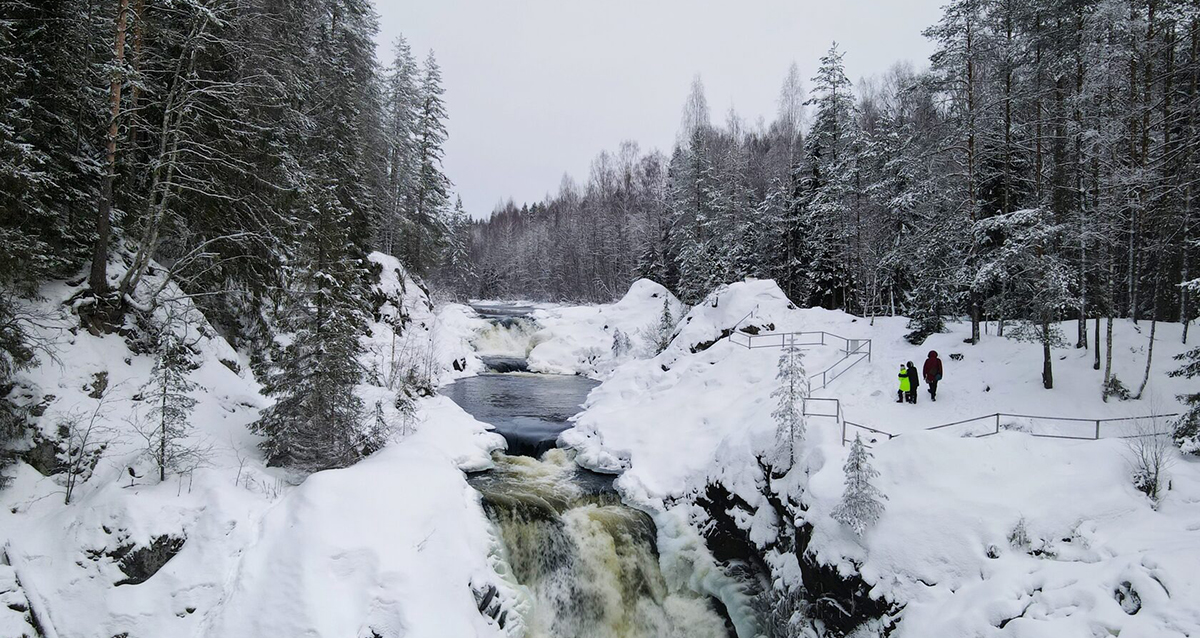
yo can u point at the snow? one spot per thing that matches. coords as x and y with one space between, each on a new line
579 339
395 543
395 559
696 415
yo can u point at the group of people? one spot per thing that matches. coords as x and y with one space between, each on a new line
910 381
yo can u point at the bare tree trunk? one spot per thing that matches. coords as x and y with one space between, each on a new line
98 279
976 310
1150 348
1096 363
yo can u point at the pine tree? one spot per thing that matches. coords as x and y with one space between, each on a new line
168 395
430 191
790 425
862 502
402 104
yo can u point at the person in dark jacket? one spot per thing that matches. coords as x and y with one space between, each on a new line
933 373
914 383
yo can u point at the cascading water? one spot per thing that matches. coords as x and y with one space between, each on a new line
588 563
505 343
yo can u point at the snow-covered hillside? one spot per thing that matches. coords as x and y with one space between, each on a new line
700 414
398 544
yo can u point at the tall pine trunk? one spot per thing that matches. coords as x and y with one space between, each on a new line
98 279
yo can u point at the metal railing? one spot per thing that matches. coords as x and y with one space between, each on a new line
854 351
857 350
1037 426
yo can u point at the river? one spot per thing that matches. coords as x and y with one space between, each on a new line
587 563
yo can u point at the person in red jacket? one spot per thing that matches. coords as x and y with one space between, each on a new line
932 371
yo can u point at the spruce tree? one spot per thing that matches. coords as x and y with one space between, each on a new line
168 395
317 420
862 502
402 101
825 183
790 425
430 192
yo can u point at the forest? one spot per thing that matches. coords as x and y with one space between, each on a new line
255 149
1041 169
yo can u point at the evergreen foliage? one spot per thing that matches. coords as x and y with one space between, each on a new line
793 389
862 502
167 394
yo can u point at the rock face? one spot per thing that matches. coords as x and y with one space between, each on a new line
140 563
841 604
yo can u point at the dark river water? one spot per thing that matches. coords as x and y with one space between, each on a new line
528 410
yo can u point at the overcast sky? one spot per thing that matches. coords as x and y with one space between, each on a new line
536 88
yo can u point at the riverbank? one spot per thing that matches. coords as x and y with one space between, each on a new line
698 415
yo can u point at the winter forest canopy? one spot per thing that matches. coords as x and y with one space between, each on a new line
1042 168
256 149
252 340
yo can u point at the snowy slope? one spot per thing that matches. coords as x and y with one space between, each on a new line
395 544
677 422
579 339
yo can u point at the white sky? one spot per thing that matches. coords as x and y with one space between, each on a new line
536 88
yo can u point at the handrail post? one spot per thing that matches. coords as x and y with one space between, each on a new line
843 432
1097 429
997 423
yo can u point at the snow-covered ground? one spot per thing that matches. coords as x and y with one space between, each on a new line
579 339
695 415
394 545
397 544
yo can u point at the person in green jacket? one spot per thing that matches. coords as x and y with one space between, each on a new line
905 384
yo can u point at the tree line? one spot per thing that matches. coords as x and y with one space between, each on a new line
1042 168
254 149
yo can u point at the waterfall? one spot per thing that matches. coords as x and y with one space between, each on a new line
587 563
507 337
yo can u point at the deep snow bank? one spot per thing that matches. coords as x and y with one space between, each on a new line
579 339
395 545
699 415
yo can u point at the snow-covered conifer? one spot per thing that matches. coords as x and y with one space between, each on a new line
862 502
789 412
168 396
621 344
660 334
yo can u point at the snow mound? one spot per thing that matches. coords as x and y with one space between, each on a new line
753 306
401 556
579 339
1099 558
